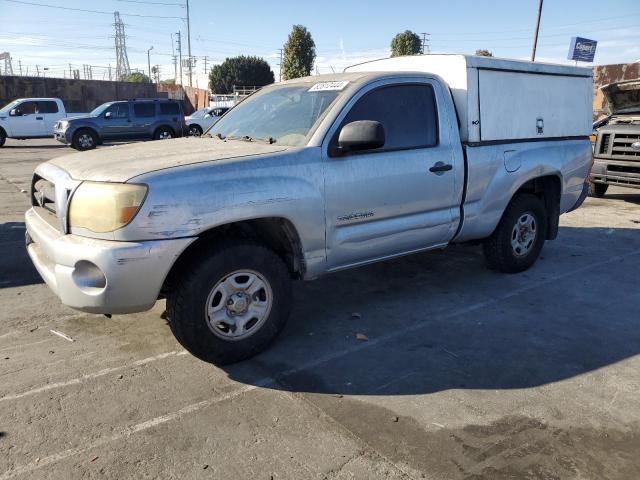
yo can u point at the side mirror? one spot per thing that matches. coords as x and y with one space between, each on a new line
107 115
208 115
361 135
14 112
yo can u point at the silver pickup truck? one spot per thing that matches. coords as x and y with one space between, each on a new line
304 178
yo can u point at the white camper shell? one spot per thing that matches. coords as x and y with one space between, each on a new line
500 100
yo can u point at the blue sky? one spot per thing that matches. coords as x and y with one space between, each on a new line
345 32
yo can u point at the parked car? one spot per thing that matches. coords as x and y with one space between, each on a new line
30 118
201 120
617 148
311 176
156 119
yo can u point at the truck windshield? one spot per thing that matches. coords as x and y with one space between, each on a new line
99 109
9 106
286 115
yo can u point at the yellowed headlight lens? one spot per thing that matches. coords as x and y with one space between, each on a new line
105 207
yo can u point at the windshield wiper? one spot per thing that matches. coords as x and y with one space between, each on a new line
246 138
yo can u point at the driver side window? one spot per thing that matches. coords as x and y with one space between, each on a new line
407 113
119 110
26 108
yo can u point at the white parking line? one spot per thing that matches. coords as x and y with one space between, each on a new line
123 433
268 381
89 376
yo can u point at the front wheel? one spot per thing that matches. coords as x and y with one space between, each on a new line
3 137
84 140
231 304
517 241
597 190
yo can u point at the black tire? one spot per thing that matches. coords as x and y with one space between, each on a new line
597 190
163 133
84 139
195 130
188 300
3 137
499 251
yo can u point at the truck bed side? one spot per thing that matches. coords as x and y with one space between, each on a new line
495 172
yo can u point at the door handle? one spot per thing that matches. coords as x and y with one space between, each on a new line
440 167
39 118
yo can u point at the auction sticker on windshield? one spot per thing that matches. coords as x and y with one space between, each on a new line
326 86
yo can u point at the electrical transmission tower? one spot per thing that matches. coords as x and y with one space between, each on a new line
123 70
425 43
8 68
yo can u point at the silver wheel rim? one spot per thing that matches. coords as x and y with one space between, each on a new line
238 305
194 132
85 140
523 234
164 135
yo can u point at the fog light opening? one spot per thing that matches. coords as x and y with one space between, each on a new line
88 277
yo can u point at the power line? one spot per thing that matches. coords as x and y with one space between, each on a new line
152 3
86 10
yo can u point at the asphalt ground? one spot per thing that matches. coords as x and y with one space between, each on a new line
466 373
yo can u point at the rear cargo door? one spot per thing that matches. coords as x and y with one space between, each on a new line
396 199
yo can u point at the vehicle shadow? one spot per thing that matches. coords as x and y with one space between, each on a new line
17 146
16 269
441 321
631 197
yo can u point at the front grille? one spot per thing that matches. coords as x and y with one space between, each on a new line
604 143
622 145
43 194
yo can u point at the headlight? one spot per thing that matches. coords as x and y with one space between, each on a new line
64 124
105 207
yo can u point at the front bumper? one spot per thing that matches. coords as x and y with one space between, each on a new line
616 172
62 135
100 276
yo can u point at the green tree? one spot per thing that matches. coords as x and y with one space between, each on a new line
299 54
484 53
138 77
406 43
240 71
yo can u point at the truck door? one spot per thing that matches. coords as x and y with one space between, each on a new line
401 197
25 120
48 109
117 121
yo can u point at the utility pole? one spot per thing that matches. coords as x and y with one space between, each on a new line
205 65
425 43
149 62
20 66
280 66
38 70
70 72
535 36
189 46
180 54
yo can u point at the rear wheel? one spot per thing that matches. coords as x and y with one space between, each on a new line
195 130
84 140
597 190
163 133
517 241
3 137
229 305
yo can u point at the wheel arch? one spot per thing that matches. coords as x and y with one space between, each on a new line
277 233
549 189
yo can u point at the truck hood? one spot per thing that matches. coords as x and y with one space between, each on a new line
622 97
123 162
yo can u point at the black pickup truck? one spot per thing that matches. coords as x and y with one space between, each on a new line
617 148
